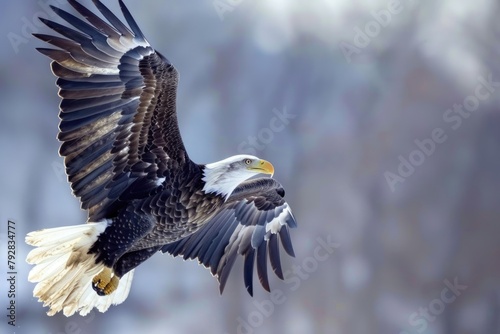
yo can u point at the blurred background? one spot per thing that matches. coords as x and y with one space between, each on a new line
381 119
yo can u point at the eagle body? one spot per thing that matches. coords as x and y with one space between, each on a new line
175 208
126 162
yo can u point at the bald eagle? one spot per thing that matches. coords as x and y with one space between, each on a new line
126 162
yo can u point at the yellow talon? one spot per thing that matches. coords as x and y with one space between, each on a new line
102 279
105 283
112 285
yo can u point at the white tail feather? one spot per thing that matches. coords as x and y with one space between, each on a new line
64 270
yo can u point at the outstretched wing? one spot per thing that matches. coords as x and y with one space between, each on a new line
118 119
250 224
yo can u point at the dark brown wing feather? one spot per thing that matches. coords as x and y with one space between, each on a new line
249 224
118 118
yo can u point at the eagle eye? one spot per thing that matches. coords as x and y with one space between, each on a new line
247 161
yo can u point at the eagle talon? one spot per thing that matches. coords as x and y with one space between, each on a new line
105 283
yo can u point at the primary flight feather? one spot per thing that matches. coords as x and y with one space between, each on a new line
127 164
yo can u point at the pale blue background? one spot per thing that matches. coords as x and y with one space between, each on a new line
353 119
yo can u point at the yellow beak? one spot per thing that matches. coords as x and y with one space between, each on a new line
262 166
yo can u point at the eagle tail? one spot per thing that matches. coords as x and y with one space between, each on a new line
64 270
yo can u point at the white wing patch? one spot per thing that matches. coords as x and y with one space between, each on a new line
274 226
159 181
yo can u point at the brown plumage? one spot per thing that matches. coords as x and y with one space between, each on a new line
127 164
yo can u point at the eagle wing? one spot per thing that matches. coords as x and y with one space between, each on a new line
118 126
249 224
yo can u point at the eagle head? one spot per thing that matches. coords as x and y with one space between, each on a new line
222 177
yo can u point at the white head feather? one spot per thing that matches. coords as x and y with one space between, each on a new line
222 177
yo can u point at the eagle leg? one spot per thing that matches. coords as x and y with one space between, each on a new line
106 282
132 259
119 236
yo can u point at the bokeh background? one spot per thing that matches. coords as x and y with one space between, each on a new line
363 81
